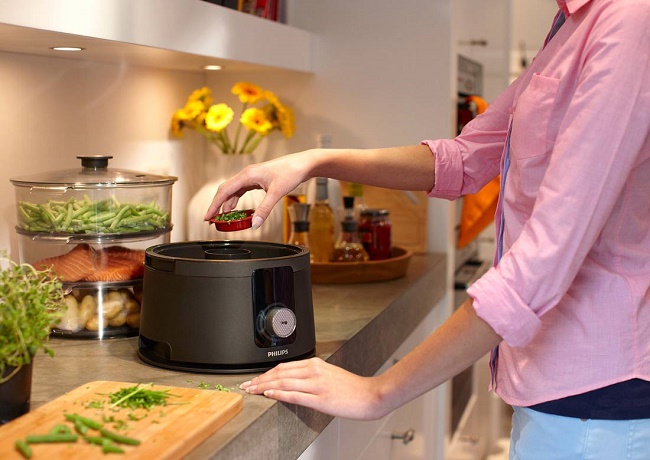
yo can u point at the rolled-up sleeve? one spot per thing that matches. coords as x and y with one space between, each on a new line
463 165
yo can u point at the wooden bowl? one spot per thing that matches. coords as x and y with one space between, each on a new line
362 272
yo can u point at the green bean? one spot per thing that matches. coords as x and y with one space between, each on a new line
90 423
23 448
135 219
81 210
68 217
85 216
112 449
81 428
47 438
98 440
119 438
61 429
119 216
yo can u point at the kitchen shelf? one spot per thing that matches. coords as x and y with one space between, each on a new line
171 34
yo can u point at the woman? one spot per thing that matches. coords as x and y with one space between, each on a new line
566 308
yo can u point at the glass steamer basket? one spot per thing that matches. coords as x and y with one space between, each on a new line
91 226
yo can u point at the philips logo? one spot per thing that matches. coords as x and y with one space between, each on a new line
275 354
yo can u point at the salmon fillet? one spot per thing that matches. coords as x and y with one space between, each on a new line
83 263
136 255
117 263
73 266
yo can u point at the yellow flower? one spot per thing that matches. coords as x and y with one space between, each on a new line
177 122
212 121
218 117
286 118
280 115
248 93
255 119
203 95
194 110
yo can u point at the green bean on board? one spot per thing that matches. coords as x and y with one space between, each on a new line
23 448
119 438
90 423
47 438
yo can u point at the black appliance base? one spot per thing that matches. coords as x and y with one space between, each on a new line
150 357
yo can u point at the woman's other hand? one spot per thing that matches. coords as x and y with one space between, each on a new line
324 387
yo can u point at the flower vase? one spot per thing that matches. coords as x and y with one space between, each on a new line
224 167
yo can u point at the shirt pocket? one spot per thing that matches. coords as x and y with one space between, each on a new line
531 118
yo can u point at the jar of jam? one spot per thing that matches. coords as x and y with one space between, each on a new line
375 233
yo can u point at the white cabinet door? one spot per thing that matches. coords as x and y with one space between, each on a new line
381 439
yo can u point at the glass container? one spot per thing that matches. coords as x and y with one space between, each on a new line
348 247
375 233
91 226
321 224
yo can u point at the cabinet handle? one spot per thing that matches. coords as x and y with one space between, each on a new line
406 437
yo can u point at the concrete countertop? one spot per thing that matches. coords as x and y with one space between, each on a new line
358 327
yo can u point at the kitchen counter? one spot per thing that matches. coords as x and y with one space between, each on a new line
358 327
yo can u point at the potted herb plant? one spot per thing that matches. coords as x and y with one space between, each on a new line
31 302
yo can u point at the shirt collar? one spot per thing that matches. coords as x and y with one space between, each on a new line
569 7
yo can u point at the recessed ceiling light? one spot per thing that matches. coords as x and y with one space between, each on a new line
212 67
67 48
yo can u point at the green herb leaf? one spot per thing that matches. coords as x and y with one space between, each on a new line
32 302
230 216
138 397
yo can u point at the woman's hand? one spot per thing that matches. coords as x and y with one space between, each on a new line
276 177
324 387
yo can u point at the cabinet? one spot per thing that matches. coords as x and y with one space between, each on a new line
172 34
425 418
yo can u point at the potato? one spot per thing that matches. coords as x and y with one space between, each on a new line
132 306
70 320
95 323
114 295
119 320
133 320
126 294
111 308
87 308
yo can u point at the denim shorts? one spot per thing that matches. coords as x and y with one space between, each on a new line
539 436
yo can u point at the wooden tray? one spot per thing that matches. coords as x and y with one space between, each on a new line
165 432
362 272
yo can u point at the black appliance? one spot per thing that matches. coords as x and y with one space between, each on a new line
226 306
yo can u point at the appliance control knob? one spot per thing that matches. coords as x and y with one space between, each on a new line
280 322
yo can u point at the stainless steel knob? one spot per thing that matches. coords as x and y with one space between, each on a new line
280 322
406 437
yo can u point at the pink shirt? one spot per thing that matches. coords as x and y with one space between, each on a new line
571 294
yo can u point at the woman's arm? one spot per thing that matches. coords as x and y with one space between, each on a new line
460 341
403 168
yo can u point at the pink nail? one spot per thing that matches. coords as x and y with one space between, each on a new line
257 222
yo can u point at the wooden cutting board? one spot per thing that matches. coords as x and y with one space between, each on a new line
169 431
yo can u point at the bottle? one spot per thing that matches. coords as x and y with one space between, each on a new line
375 233
299 236
348 247
348 207
321 224
298 195
356 190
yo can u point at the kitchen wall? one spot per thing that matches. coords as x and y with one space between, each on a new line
383 74
54 109
378 81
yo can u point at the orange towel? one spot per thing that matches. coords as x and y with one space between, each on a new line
478 212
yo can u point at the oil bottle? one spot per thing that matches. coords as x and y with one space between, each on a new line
321 224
